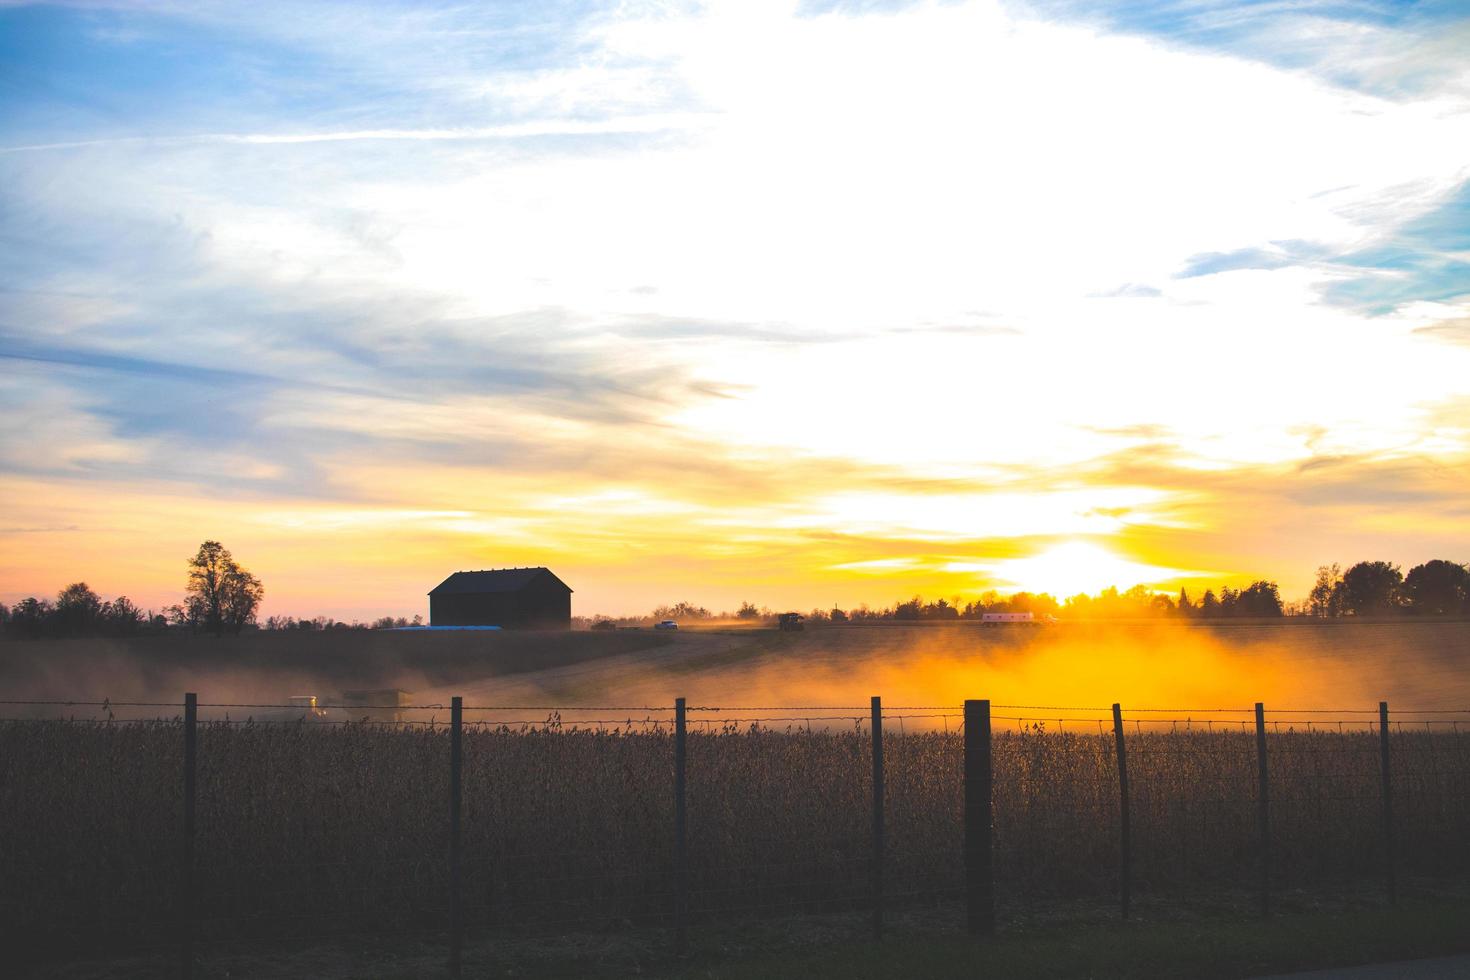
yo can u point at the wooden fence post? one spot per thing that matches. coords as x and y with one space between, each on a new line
877 817
1125 837
1263 801
1388 839
979 819
680 830
187 900
456 856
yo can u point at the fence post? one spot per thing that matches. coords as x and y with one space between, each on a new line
680 827
1263 801
979 819
1125 836
456 856
187 902
1388 841
877 817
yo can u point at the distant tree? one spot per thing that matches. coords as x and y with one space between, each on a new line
838 616
30 617
78 610
221 595
1371 587
1326 595
681 611
910 610
4 615
120 617
748 611
1184 607
1438 588
1209 606
1162 605
1260 599
939 609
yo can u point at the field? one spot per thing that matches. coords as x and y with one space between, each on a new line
317 830
343 829
1412 664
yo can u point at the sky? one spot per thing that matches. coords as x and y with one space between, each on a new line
793 303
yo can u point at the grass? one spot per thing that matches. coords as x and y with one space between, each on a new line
1211 947
1138 949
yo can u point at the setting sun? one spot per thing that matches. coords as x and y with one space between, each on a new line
1078 566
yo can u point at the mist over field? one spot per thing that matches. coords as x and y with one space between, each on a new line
1413 665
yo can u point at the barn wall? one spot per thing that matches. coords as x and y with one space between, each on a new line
541 604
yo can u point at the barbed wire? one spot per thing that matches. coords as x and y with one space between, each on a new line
651 708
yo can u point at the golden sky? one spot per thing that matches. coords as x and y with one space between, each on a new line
794 304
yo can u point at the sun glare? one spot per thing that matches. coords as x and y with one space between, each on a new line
1079 566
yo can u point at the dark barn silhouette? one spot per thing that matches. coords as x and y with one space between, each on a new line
511 598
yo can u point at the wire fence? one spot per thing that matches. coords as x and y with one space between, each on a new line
139 824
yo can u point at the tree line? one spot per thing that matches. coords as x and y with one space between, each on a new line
1369 588
220 596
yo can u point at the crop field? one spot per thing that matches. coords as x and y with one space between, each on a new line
342 828
316 831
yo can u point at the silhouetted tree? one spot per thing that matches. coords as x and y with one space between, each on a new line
838 616
1209 606
1326 594
120 617
1184 606
221 595
1259 599
1371 587
30 617
78 610
682 610
748 611
909 610
939 609
1438 588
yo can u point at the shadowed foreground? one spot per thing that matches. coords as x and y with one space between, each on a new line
312 831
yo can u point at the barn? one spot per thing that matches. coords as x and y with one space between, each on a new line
511 598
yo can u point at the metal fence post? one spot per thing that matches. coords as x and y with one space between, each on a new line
456 856
1263 802
1388 839
979 819
187 901
877 817
1125 836
680 829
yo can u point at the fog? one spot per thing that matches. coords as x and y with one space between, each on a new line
1174 670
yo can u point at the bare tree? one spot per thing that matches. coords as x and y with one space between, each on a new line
221 595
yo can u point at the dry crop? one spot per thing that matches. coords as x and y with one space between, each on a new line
343 828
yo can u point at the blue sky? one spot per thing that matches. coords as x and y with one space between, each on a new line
651 291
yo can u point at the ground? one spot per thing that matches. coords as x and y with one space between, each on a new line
1166 941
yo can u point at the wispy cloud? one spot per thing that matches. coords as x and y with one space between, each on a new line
578 282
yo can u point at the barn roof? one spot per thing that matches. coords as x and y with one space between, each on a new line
493 580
